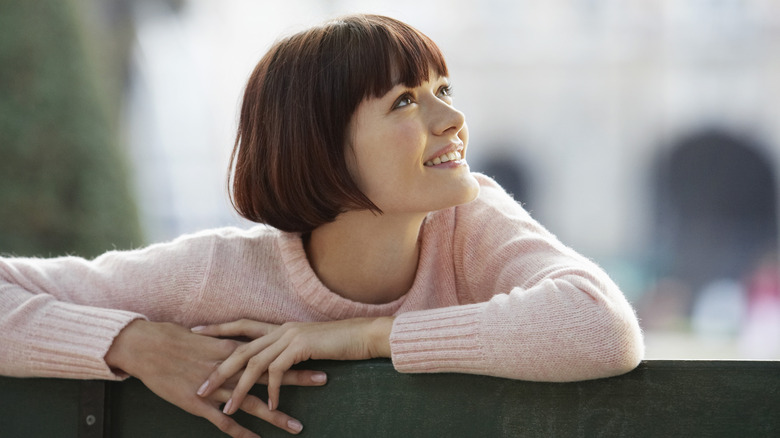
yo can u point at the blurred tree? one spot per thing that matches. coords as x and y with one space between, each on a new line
64 186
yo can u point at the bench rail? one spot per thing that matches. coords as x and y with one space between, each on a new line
369 398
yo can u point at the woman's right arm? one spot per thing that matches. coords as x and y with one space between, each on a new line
48 336
73 318
59 316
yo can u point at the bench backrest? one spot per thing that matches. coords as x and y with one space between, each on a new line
370 399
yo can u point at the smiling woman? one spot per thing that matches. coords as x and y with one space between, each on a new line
377 241
291 168
395 141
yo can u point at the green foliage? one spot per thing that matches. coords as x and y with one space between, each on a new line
64 182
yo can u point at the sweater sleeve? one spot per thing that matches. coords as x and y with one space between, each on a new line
60 316
533 308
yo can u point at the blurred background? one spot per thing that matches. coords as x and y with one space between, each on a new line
644 133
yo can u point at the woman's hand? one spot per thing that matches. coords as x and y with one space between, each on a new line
172 362
277 348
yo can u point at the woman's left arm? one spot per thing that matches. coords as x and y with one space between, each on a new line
563 328
533 308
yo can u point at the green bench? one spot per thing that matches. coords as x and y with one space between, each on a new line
370 399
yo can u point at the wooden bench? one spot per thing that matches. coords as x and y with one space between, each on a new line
370 399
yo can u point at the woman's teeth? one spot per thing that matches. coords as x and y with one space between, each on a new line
450 156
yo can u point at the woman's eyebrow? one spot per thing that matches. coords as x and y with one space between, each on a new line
442 78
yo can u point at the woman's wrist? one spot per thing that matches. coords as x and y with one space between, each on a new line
121 353
379 336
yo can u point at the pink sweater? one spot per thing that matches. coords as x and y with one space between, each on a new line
494 294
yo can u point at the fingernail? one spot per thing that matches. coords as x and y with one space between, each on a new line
228 406
319 377
198 328
295 425
203 388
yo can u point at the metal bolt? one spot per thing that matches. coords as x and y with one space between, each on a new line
91 420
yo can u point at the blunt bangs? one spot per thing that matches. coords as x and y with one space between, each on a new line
390 53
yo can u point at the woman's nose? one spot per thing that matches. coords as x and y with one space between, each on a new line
447 118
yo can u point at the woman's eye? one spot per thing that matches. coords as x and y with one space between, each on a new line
402 101
445 91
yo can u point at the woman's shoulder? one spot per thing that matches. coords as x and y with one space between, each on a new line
232 240
491 202
227 235
493 219
203 243
254 232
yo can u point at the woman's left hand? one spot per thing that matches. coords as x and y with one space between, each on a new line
278 347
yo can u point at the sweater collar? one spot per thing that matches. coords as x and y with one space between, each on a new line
332 305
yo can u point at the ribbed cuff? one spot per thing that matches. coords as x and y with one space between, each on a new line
437 340
71 341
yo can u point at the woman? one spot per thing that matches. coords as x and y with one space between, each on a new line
379 242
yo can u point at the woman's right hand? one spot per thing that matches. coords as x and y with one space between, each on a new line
173 362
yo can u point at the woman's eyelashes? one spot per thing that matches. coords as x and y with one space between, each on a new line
445 91
407 98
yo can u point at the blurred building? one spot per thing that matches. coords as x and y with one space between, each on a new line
646 136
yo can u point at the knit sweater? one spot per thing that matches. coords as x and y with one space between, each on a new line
494 294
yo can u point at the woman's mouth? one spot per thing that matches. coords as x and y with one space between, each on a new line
443 158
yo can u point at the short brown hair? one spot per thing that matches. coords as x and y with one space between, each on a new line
288 164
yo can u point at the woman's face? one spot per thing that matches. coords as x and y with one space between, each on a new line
408 149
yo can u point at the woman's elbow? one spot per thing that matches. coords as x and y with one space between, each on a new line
615 334
622 346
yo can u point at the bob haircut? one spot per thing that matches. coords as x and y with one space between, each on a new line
289 166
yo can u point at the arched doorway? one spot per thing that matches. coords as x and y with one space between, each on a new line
716 207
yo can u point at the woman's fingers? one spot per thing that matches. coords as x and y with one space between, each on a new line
298 378
256 366
233 364
241 327
276 372
290 378
257 407
224 422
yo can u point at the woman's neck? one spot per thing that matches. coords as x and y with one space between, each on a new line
366 257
